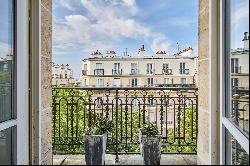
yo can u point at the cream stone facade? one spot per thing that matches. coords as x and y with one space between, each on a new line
62 74
160 70
240 83
139 71
240 64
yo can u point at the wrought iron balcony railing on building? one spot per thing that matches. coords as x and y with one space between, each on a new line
74 109
167 71
134 72
99 72
84 72
184 71
150 71
116 71
236 70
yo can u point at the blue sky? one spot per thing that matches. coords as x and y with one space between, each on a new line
83 26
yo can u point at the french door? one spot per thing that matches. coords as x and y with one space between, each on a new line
235 99
13 76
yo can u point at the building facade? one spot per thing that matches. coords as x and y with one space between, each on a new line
160 70
61 74
240 84
101 70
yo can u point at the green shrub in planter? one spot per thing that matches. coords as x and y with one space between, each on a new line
150 144
95 140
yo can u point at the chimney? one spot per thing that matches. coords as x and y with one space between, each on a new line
246 41
141 52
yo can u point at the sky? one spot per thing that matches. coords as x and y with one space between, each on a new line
80 27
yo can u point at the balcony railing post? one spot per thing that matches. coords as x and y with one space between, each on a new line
89 100
116 121
54 92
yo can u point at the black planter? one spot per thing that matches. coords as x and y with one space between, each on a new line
151 150
95 147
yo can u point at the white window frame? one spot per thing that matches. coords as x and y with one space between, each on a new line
226 123
99 66
99 82
134 82
22 101
150 81
118 83
182 80
150 68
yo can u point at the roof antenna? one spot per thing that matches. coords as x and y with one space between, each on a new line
178 46
126 51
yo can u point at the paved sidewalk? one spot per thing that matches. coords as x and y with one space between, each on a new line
125 160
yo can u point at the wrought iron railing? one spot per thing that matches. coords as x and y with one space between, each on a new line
134 72
184 71
98 71
116 71
175 112
84 72
167 71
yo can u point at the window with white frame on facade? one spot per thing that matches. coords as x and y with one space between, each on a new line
183 81
150 82
182 68
117 82
134 82
235 117
7 83
150 68
235 65
117 68
165 68
134 69
99 82
167 81
98 66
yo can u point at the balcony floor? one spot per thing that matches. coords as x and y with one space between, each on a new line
126 160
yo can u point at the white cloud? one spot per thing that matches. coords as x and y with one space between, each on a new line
105 25
67 4
160 42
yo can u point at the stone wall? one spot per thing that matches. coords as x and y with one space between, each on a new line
46 71
203 83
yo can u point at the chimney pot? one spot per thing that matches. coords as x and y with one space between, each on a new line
246 37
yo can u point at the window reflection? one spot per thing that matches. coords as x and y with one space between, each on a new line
7 152
239 44
6 59
239 155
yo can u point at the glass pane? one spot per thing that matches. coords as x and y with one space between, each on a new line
7 152
6 59
239 46
238 154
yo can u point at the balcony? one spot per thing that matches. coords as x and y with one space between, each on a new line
167 71
84 72
116 71
236 70
98 72
176 85
74 109
184 71
134 72
152 71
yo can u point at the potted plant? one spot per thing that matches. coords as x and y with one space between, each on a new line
95 140
150 143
